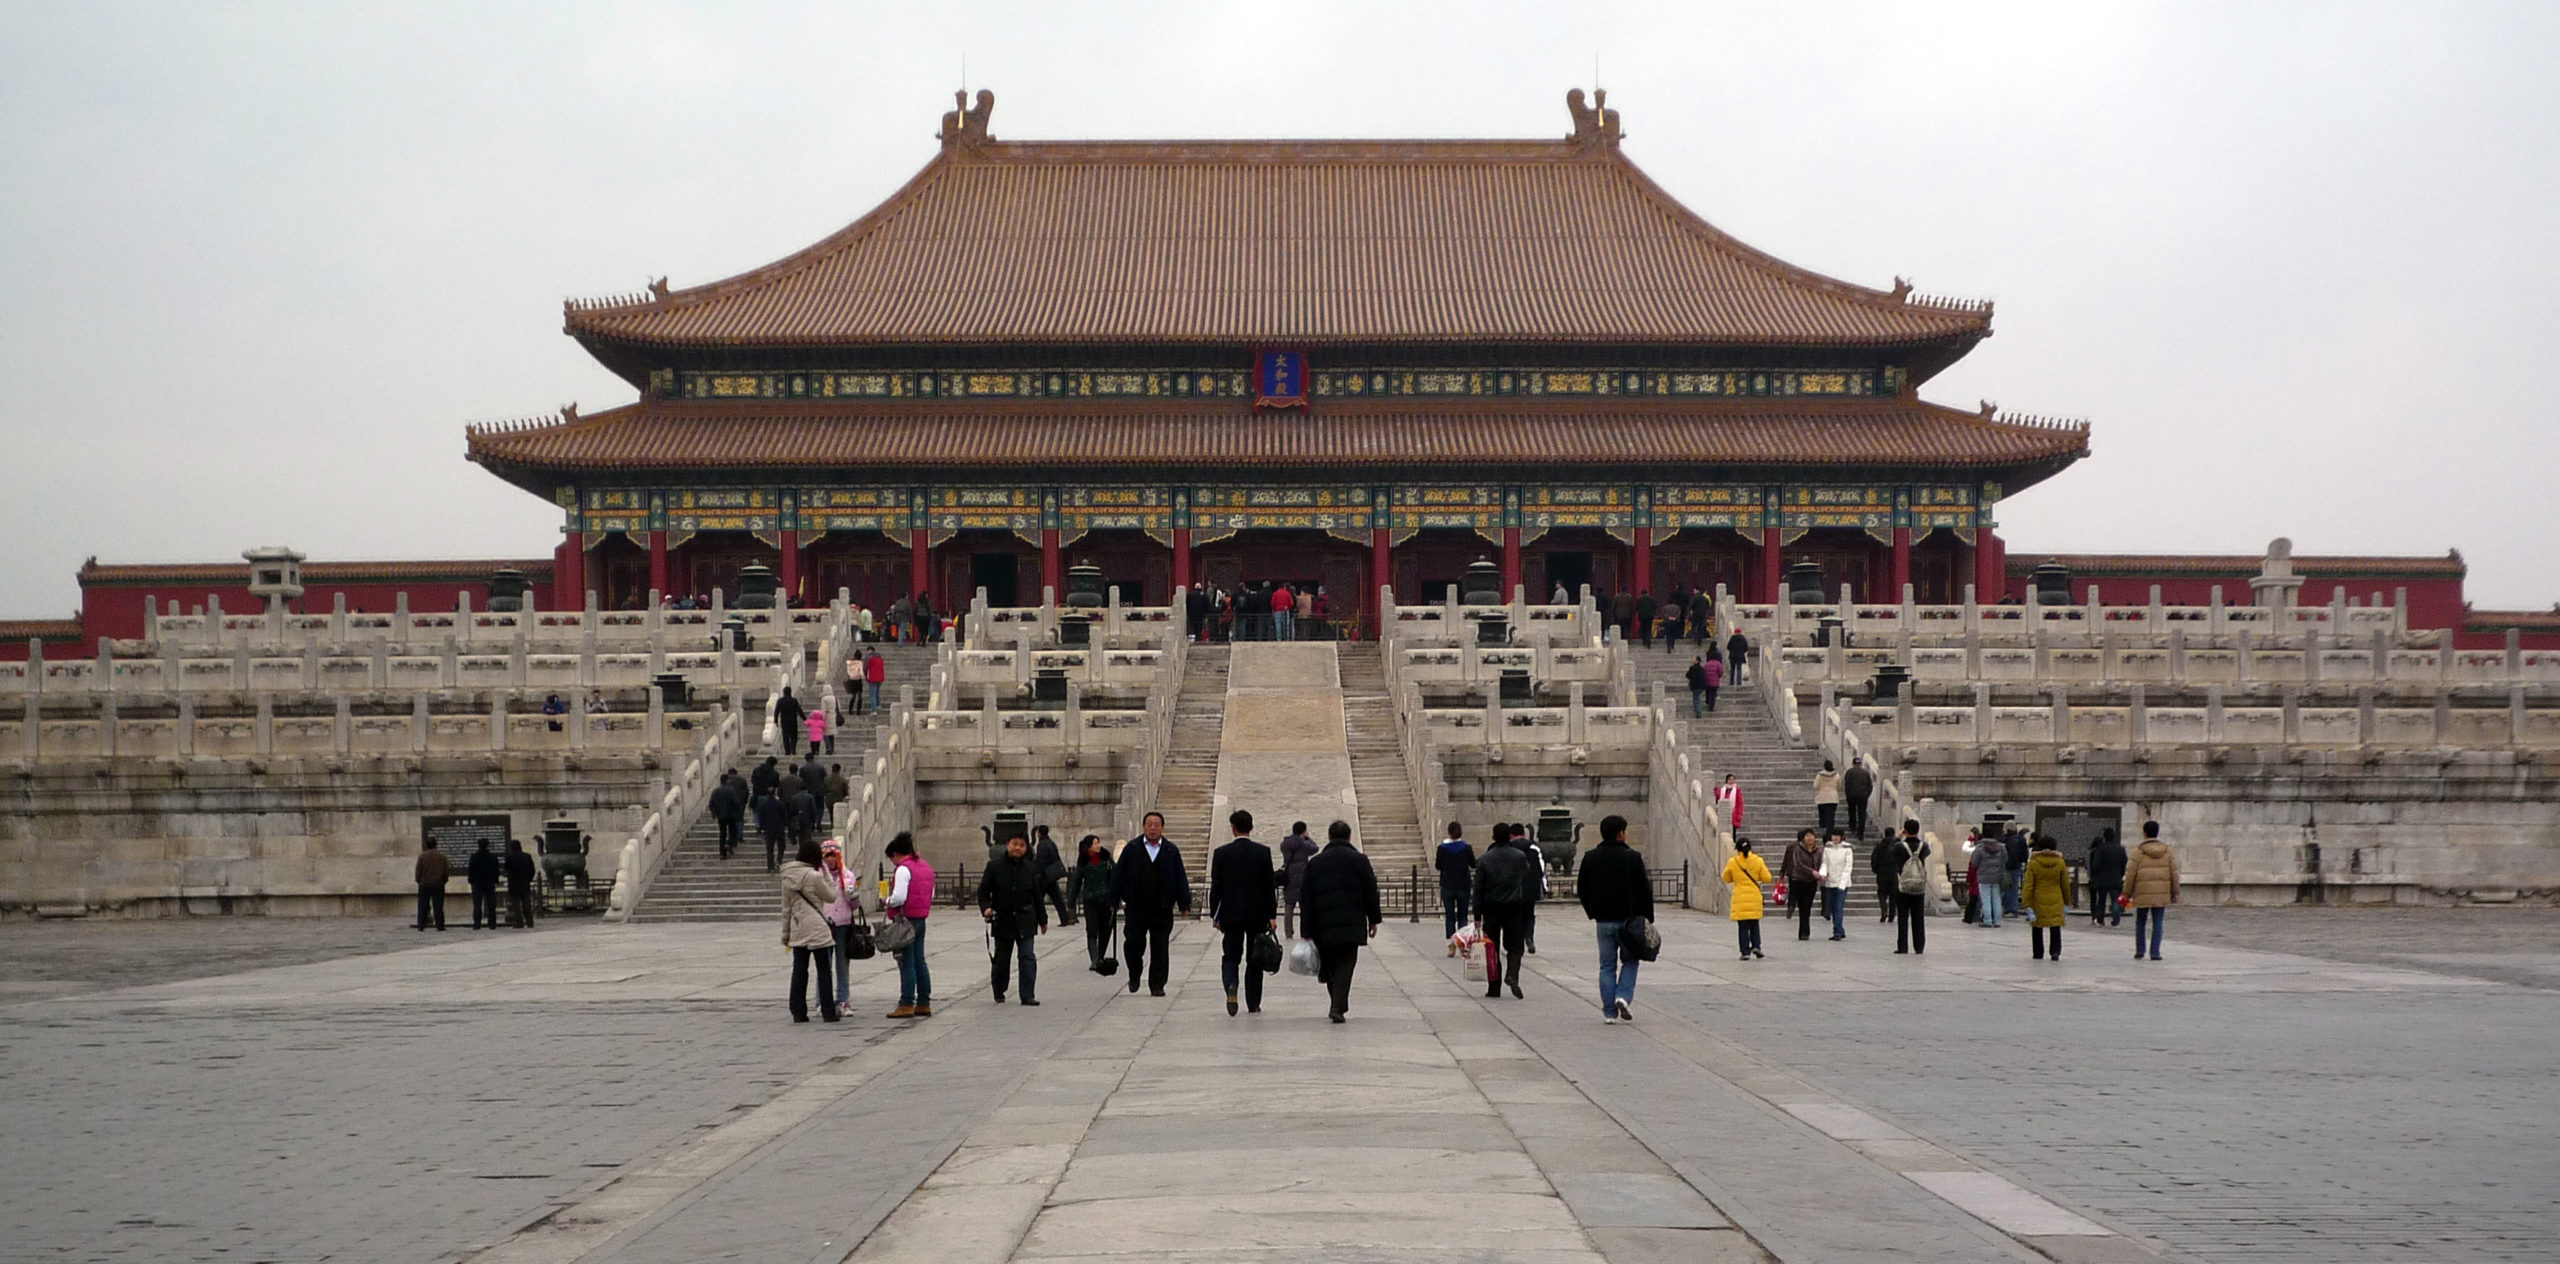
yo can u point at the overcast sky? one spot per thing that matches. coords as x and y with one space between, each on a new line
260 263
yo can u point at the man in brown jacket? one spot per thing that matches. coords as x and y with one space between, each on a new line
433 869
2150 886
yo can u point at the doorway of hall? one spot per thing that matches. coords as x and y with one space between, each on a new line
1571 571
999 574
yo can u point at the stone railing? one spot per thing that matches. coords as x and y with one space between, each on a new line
2370 723
112 726
672 808
2178 662
655 627
1012 671
246 670
1573 725
1155 739
1112 625
2338 623
1451 624
1684 822
1471 667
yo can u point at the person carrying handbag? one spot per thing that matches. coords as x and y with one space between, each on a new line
907 902
806 892
840 914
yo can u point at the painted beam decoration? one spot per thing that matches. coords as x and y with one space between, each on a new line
753 509
1088 509
952 510
825 509
1231 509
1545 508
1278 379
616 509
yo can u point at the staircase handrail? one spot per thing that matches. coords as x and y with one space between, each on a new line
1777 691
1155 740
1684 818
646 851
1896 800
1424 778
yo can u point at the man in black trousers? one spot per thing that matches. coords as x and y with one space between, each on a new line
1241 886
1151 885
1342 913
484 870
1506 888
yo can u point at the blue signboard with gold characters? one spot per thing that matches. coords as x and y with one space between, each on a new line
1280 379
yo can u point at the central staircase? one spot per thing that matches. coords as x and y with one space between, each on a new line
1186 791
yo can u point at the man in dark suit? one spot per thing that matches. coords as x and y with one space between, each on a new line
1151 885
1341 910
1241 887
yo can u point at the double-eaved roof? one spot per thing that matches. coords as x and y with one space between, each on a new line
1364 254
1280 242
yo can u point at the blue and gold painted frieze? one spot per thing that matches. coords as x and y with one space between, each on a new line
1036 383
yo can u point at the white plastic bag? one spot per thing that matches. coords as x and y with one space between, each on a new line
1302 958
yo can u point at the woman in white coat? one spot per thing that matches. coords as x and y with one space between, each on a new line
1839 865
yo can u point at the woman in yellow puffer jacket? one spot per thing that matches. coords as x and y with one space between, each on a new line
2046 893
1746 874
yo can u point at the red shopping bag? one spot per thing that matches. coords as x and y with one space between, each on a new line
1492 963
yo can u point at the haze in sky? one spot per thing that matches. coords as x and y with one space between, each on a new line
259 264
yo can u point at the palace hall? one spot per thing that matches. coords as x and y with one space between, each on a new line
1347 363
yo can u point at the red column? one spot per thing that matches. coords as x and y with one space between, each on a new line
1644 560
569 573
1901 563
791 568
1052 576
1182 557
920 563
658 562
1510 561
1773 566
1990 567
1381 573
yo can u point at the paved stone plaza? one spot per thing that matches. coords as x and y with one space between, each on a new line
638 1094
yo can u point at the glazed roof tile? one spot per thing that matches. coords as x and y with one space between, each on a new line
1293 243
662 435
2332 566
237 573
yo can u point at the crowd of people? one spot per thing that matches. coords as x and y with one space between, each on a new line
1273 610
483 871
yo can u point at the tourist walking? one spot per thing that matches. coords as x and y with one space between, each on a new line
1736 648
2150 886
788 717
1698 685
1151 884
1053 873
432 870
1839 864
1456 862
767 776
1507 883
519 886
483 871
1645 608
1826 797
2014 841
2106 880
1803 870
1989 871
875 673
821 735
2047 895
910 900
1243 902
729 811
805 896
1615 890
1342 913
1702 618
773 822
1295 851
1877 864
1090 887
840 913
839 790
1712 668
1910 886
1010 899
1856 786
1745 874
1729 796
801 811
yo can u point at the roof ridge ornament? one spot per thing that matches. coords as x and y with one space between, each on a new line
967 124
1594 124
1901 289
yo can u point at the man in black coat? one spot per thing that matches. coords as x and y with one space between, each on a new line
519 867
1615 889
484 870
1645 608
1053 872
1885 862
1009 898
1151 884
2106 879
767 776
1855 787
803 810
1910 908
1242 884
729 809
1701 615
1736 648
1342 912
1506 886
787 715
